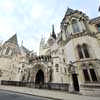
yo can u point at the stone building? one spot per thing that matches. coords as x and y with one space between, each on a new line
71 56
75 51
13 60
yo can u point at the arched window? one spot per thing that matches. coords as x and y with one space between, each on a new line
86 75
89 73
85 50
7 51
93 74
11 53
80 51
75 26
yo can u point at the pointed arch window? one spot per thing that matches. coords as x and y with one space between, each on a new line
75 26
85 50
86 75
80 52
89 73
7 51
93 74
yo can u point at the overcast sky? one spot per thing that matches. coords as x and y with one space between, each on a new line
32 18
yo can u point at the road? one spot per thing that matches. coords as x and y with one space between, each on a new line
5 95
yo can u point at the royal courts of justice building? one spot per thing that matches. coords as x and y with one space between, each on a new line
71 56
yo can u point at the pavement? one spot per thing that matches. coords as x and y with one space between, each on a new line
7 95
51 94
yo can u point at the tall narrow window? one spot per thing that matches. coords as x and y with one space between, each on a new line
7 51
86 75
80 51
11 53
75 26
93 75
85 50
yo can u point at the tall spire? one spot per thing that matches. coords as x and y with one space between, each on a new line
42 41
22 43
53 32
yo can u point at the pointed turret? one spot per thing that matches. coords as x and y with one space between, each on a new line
42 42
13 40
53 32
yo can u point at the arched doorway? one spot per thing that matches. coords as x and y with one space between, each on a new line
39 77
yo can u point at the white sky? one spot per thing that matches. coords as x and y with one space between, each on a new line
33 18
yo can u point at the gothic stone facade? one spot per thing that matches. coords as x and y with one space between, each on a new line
75 51
70 57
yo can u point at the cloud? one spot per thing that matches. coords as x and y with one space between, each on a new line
31 18
37 11
7 6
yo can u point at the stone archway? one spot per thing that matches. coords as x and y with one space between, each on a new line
38 70
39 79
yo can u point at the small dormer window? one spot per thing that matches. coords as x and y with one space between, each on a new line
75 26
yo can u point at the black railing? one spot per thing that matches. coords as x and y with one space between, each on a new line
51 86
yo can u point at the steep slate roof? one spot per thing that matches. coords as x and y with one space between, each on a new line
13 39
69 11
95 20
24 49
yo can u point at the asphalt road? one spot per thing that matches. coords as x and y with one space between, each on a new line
5 95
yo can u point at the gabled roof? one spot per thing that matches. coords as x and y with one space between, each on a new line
13 40
69 11
24 49
95 20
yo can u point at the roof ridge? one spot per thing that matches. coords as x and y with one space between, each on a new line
13 39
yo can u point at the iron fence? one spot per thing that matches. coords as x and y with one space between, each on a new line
50 86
